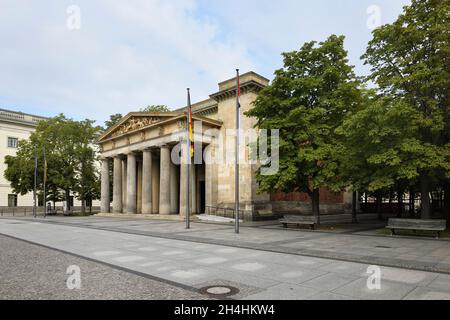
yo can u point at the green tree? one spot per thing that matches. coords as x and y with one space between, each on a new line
410 61
378 146
88 182
379 149
113 119
155 108
307 101
70 158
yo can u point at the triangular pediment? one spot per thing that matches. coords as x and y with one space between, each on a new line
136 121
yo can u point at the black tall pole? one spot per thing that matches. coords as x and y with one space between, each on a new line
45 182
188 159
35 183
236 165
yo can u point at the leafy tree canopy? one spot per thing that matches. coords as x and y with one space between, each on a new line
410 60
113 119
155 108
307 101
70 153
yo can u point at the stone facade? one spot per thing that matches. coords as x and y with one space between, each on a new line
146 180
16 126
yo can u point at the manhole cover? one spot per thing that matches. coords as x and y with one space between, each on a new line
219 291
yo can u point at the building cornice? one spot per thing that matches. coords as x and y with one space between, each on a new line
249 86
21 118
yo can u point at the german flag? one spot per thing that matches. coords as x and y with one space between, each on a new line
190 125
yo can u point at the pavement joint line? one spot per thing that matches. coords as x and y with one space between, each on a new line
198 231
141 274
407 294
362 230
359 259
287 241
425 238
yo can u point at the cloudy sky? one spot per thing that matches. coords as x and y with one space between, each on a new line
129 54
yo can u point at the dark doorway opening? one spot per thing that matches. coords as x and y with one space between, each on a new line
202 189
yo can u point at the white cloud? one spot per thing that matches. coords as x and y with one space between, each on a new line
126 55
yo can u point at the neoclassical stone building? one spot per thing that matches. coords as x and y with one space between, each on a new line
145 180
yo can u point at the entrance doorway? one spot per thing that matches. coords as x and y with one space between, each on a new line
202 190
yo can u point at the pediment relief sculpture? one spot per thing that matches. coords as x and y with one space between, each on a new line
135 124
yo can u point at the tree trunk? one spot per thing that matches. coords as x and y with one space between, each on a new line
83 204
380 214
315 200
354 199
412 203
425 197
399 202
68 200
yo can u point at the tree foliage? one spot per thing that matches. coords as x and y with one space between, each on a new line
71 159
307 101
410 61
155 108
113 119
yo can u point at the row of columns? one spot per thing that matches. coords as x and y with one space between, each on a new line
168 184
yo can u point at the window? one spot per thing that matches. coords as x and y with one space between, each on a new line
12 200
12 142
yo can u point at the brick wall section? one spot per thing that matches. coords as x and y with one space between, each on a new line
326 197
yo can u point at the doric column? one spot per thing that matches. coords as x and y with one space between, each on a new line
174 188
117 185
124 182
105 203
147 182
131 183
193 188
164 181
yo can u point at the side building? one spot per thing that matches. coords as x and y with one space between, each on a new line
16 126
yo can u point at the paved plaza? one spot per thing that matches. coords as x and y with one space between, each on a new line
263 262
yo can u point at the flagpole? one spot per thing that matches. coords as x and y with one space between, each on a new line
188 159
35 182
45 182
236 168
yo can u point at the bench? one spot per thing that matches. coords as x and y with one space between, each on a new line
417 225
310 221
